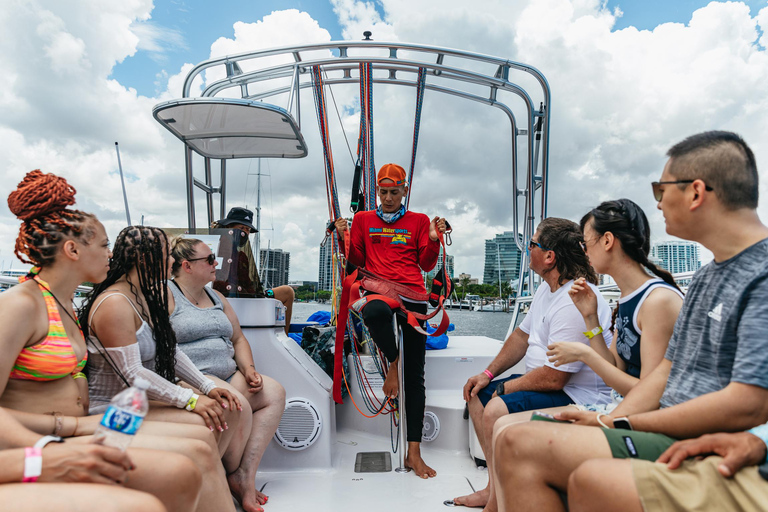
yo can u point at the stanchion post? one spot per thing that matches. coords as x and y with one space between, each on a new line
402 438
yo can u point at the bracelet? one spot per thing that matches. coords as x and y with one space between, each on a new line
79 375
33 464
489 374
77 425
58 423
192 402
601 421
594 332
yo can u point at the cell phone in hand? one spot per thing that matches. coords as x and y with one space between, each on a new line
542 416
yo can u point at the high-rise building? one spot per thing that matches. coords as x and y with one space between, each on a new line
275 265
676 256
325 270
502 259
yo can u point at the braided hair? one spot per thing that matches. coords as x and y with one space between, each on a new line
41 201
145 248
628 223
564 238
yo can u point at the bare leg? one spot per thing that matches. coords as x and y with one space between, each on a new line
414 461
604 484
494 410
70 497
285 294
535 459
268 406
500 424
152 454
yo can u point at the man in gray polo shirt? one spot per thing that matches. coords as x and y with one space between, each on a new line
713 377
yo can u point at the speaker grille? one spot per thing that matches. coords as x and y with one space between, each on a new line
300 425
431 427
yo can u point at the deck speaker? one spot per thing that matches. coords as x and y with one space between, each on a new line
431 427
300 425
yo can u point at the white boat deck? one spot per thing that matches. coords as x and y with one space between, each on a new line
341 489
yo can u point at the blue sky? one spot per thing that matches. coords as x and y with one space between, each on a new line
197 23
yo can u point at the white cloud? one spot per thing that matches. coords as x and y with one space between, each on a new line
620 99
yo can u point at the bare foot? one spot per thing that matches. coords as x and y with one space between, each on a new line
414 461
244 491
391 384
476 499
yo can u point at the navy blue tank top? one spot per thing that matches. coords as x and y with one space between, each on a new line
628 333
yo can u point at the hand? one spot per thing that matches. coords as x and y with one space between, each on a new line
474 385
341 226
84 463
586 418
564 352
226 398
254 380
583 297
437 225
738 450
211 412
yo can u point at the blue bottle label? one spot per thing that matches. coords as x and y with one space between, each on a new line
121 421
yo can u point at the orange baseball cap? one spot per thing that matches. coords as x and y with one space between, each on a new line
391 172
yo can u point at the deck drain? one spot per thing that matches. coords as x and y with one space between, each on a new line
373 462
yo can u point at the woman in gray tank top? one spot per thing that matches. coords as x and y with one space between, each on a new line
208 331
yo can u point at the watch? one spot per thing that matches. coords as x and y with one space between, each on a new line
622 423
594 332
500 388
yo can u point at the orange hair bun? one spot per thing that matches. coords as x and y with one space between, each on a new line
40 194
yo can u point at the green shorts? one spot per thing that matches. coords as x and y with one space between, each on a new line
631 444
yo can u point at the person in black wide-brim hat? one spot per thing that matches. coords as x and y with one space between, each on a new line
242 219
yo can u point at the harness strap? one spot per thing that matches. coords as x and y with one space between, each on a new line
390 293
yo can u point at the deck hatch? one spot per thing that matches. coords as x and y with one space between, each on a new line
373 462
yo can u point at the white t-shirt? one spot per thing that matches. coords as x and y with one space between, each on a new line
553 317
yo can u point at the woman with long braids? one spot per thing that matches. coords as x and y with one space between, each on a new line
208 331
41 384
126 320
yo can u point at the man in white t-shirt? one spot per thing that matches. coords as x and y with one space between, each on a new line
555 255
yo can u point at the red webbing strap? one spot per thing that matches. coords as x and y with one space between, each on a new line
341 327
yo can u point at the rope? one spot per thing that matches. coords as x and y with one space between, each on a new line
420 85
365 139
334 209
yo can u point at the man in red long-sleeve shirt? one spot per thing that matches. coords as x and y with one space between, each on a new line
397 244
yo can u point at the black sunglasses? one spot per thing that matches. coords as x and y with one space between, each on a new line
658 193
534 243
210 259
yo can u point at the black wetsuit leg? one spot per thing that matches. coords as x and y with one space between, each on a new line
378 319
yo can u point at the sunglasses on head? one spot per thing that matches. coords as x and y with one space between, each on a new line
658 193
210 259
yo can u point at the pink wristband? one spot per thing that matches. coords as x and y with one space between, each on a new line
33 464
489 374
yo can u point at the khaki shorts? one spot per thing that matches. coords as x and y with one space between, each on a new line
698 486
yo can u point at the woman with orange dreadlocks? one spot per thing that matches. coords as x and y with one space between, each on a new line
41 384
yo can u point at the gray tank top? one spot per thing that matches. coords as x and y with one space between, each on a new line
204 334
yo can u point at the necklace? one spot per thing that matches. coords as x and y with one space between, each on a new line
187 294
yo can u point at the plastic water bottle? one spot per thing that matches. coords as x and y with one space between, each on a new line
124 416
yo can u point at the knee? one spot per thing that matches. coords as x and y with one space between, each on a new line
510 442
205 457
142 501
494 410
580 481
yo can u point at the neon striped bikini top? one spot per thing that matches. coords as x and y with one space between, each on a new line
54 357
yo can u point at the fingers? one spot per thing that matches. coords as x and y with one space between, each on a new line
466 391
115 456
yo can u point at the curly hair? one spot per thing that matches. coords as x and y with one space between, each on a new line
41 201
145 248
564 238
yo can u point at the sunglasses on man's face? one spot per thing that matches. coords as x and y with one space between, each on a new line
210 259
658 193
534 243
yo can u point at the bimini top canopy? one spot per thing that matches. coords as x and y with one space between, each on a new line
232 128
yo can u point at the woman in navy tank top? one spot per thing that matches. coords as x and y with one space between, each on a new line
617 241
